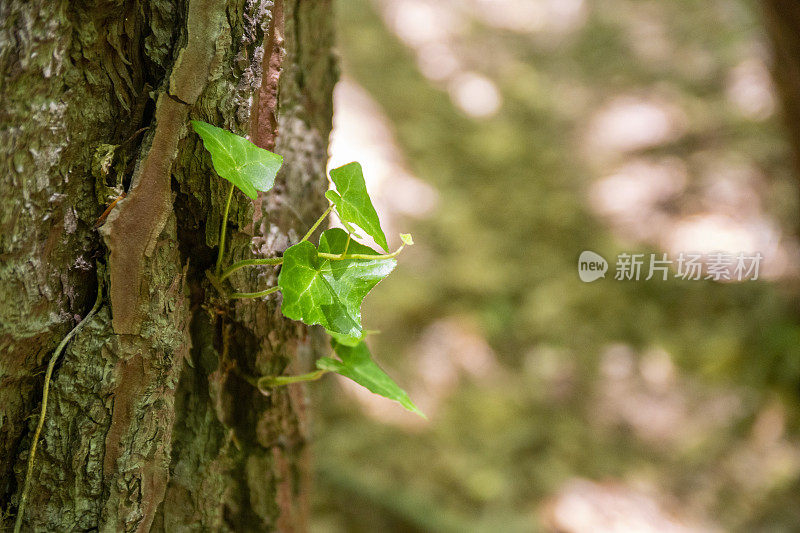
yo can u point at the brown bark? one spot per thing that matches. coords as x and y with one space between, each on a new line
150 425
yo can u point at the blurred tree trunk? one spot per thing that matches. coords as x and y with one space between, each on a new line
782 20
150 425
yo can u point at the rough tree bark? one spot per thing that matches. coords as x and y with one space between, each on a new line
150 424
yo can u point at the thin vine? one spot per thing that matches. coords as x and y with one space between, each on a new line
45 394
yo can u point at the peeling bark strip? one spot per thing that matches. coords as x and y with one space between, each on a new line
264 121
140 218
190 72
264 126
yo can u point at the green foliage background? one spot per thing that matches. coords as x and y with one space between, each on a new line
502 249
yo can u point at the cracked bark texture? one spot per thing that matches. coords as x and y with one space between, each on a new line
150 426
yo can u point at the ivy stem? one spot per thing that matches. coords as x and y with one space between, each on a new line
317 223
338 257
278 381
254 294
45 393
275 261
222 230
347 244
248 262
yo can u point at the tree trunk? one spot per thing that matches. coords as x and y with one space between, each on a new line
151 424
782 21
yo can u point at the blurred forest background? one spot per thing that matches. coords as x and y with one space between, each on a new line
508 136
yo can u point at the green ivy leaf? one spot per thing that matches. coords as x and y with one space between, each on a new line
334 198
352 201
329 292
357 364
238 160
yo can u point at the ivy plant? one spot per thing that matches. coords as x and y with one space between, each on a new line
322 284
